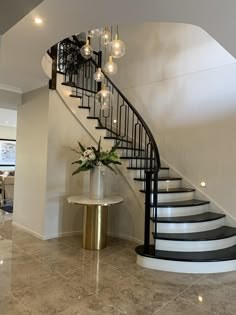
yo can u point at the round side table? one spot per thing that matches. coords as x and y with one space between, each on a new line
95 219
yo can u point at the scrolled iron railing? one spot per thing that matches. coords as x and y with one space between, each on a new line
122 120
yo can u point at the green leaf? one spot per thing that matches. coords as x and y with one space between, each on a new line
81 147
111 168
99 145
115 147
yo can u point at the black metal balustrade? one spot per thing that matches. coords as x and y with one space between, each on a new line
123 122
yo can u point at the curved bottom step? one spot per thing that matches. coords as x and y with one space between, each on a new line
217 261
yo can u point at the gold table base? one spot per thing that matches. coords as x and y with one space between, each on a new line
95 227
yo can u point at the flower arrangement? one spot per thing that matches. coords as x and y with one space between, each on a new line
91 157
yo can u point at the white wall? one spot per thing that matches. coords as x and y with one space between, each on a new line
31 161
7 132
183 83
9 99
45 127
125 220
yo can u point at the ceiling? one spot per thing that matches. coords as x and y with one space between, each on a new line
12 11
24 45
8 117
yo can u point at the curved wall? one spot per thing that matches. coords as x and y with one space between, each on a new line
182 81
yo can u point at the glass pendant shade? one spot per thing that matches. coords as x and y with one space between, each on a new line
105 38
94 33
117 48
104 98
110 67
98 75
86 51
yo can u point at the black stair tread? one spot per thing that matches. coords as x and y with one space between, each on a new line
119 139
110 130
197 218
136 158
166 178
128 148
73 85
144 168
90 117
86 107
75 96
184 203
172 190
216 234
225 254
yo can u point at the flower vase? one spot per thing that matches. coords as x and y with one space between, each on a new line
96 190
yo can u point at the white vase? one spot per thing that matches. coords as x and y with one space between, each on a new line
96 190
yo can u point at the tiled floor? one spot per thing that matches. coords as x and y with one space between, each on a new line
58 277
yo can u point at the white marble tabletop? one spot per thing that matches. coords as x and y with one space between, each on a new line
86 200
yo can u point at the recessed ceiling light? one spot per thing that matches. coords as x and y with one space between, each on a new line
203 184
114 121
38 20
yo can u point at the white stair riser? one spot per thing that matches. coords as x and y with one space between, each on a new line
195 246
131 153
141 173
166 184
181 211
189 227
186 267
169 197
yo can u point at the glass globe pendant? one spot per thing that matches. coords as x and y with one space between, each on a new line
117 48
94 33
98 75
86 51
105 37
110 67
104 98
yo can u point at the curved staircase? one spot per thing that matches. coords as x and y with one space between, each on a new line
186 235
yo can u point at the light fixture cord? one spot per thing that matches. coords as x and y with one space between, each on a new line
117 31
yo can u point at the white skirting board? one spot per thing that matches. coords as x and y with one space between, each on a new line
45 237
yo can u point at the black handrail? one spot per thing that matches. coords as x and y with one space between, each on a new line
130 129
156 151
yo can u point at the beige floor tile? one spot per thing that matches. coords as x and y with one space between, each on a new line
16 276
216 298
10 306
53 296
226 278
41 249
93 306
183 307
69 259
96 276
136 296
74 241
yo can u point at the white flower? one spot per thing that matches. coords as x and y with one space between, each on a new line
83 158
92 156
87 152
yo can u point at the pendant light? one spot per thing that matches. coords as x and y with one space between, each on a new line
98 75
104 98
94 33
86 51
117 48
105 37
110 67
